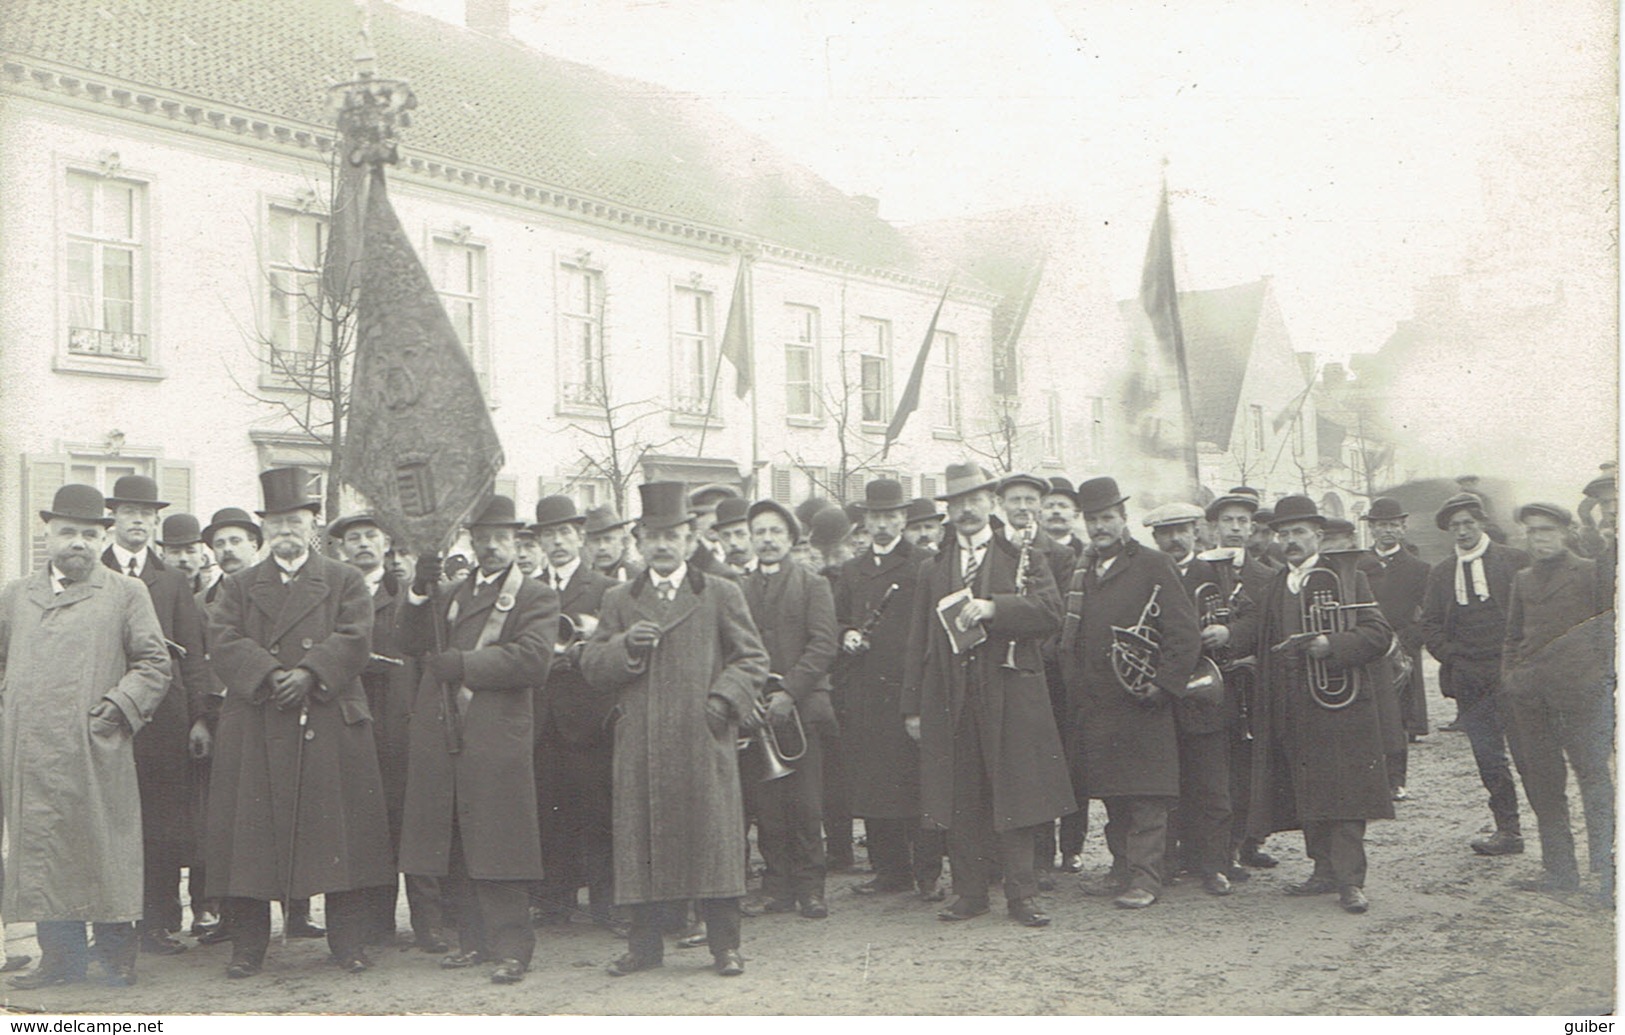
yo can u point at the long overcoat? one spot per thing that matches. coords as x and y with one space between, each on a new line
679 815
882 760
489 785
794 613
1020 746
1124 747
1399 583
321 621
1311 762
72 809
163 763
391 687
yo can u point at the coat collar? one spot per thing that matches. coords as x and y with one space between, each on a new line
646 602
286 605
1086 560
41 592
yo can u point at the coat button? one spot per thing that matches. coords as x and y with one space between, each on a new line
307 643
310 734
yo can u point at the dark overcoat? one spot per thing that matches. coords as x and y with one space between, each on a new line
321 621
1399 583
794 612
391 689
1200 716
1310 762
1124 747
1469 652
679 814
570 707
1021 749
882 760
489 786
163 761
1560 631
72 809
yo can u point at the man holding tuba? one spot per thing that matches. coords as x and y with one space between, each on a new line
1200 824
1318 759
1129 644
573 748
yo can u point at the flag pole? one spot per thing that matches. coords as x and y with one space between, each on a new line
710 398
1187 410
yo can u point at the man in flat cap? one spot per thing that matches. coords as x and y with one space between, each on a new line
1559 680
1464 627
1399 580
991 767
679 652
1120 688
296 803
573 745
1319 763
163 758
486 645
73 820
874 608
1232 519
1200 825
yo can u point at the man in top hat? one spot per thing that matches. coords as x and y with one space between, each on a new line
74 824
573 745
1201 824
390 680
1124 744
991 768
1464 627
922 526
236 540
163 750
1319 765
874 608
1559 682
794 613
1399 581
680 654
732 529
486 645
608 544
1231 519
290 637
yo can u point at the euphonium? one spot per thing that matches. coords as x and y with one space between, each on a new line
1324 610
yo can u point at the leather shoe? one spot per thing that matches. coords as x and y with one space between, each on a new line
880 886
215 935
1502 842
729 963
301 927
1025 913
44 976
161 943
814 908
242 968
1252 855
1238 875
15 962
1313 886
1072 863
463 960
356 963
508 972
1134 898
1217 884
432 941
631 963
932 891
1109 886
1450 727
1401 794
779 905
204 921
695 938
1353 899
962 909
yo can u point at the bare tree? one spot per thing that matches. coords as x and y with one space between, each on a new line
1000 442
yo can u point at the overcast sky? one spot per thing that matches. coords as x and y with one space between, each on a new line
1337 147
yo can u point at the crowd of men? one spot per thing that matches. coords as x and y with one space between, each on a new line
589 702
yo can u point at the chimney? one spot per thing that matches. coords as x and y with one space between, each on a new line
488 17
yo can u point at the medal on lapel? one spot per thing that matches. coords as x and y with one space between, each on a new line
504 602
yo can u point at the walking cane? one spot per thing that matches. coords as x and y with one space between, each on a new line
293 829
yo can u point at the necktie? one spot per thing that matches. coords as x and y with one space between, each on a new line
667 591
135 571
973 562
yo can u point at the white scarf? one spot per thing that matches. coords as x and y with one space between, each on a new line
1473 559
1295 576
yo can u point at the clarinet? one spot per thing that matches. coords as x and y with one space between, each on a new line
1023 568
872 623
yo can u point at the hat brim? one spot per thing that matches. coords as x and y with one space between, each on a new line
1277 522
873 507
1551 510
665 521
1038 483
1172 522
922 520
1441 520
1384 517
1219 504
1095 508
313 506
211 531
577 520
179 542
600 529
103 520
114 501
966 491
337 529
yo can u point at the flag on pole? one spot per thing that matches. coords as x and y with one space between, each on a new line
916 377
420 445
1163 411
1292 409
737 334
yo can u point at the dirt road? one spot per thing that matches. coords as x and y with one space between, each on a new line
1446 935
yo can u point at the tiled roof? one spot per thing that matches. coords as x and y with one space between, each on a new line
1002 252
483 101
1220 326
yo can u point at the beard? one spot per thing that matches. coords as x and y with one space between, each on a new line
289 549
74 565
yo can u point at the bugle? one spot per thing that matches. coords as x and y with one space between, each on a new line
775 760
573 630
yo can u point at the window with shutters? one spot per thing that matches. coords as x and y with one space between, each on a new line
781 485
818 482
928 486
907 482
801 364
104 282
44 474
874 370
855 481
945 358
457 267
581 339
1257 414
